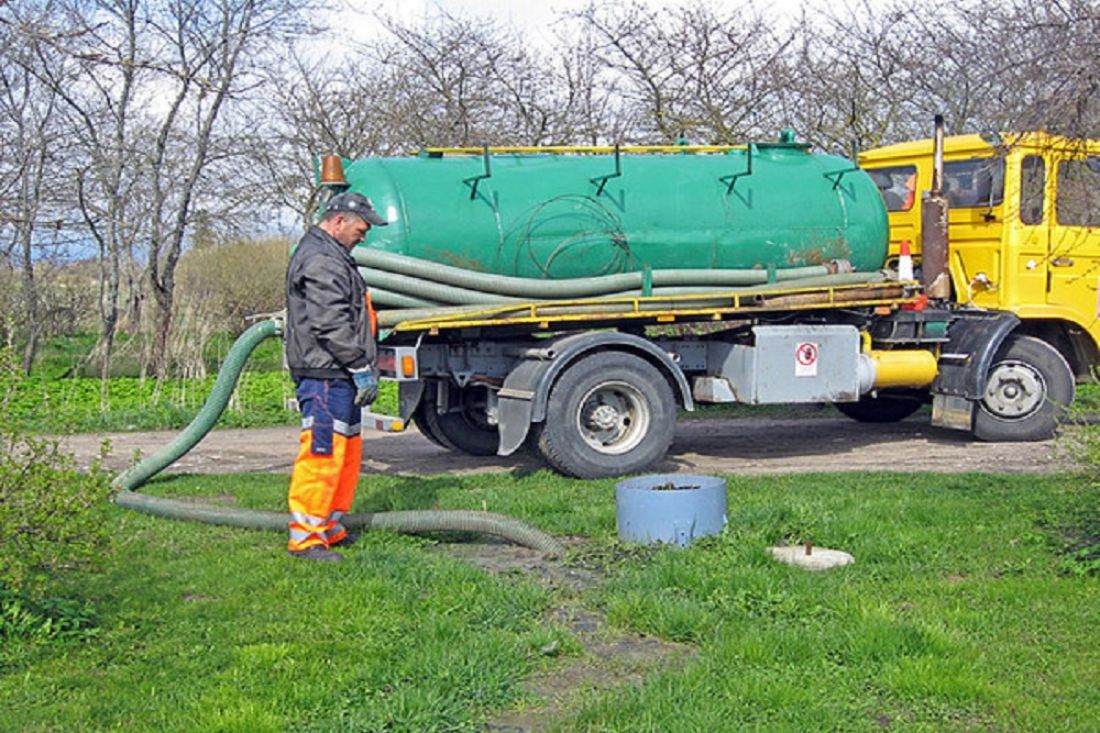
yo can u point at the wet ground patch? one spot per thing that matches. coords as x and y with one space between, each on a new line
607 657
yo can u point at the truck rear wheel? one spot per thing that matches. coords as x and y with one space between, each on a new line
1027 390
420 417
609 414
465 429
885 408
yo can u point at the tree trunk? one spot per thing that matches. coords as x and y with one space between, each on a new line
31 325
110 268
162 329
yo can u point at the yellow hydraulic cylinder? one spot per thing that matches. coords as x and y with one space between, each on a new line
903 368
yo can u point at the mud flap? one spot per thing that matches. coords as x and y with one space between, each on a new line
408 398
973 341
514 420
515 404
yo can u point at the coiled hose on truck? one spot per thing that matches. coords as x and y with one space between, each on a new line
406 521
401 281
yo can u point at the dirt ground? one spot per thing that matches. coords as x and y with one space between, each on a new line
748 446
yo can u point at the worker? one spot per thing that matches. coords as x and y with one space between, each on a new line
330 350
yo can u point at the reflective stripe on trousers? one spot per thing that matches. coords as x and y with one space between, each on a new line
326 471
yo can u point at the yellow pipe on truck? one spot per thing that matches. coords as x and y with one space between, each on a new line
902 368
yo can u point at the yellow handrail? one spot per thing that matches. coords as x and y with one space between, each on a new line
582 149
672 308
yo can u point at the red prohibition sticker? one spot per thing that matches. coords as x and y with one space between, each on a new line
805 360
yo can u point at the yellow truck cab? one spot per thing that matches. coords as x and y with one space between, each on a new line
1023 228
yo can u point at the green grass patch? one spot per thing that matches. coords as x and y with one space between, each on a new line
961 613
959 596
84 404
66 356
56 399
1088 397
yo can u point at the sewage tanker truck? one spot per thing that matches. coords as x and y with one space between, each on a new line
570 300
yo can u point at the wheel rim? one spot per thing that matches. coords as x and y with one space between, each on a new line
614 418
1014 390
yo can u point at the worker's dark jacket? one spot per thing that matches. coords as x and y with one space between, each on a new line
327 327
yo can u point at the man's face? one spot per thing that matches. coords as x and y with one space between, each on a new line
348 230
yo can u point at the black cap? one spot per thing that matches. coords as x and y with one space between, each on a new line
357 204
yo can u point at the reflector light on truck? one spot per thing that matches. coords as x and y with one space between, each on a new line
398 363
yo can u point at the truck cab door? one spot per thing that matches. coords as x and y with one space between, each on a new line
975 190
1073 259
1027 236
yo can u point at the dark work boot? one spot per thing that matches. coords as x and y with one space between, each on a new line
349 539
317 553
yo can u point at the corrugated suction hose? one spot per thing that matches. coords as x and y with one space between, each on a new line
412 522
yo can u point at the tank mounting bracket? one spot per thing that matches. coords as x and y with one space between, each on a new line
601 181
731 180
474 181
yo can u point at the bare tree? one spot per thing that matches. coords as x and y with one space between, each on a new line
146 86
593 112
845 77
874 74
441 79
92 68
691 71
453 82
28 124
42 32
209 53
959 70
314 108
463 81
1044 61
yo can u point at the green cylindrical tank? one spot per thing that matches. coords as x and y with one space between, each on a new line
568 215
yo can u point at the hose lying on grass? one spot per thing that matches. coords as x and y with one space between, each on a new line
411 522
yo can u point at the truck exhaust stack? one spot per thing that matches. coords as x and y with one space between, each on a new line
934 275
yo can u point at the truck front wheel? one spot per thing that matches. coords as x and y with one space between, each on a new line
609 414
1027 390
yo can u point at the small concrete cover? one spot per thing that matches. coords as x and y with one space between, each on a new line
819 558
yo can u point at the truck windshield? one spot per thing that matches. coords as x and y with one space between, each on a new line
1078 200
974 183
897 184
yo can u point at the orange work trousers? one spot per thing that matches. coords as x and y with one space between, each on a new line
326 471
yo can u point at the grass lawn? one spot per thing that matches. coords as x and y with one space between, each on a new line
974 605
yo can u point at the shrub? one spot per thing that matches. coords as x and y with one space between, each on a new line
52 515
44 619
235 279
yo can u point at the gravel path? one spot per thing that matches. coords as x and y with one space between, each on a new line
749 446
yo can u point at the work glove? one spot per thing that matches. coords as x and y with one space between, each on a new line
366 386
